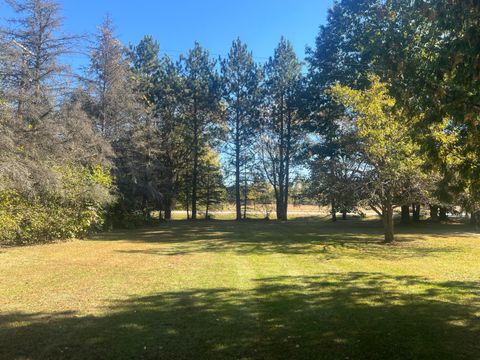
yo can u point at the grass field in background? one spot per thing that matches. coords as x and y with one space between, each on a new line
249 290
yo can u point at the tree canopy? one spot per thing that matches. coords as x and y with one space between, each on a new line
383 113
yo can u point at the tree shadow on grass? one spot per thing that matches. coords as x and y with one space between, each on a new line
334 316
324 239
292 231
324 250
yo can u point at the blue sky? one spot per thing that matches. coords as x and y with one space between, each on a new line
214 23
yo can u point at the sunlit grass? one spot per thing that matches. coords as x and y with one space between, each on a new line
256 289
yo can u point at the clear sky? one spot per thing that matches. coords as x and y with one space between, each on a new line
214 23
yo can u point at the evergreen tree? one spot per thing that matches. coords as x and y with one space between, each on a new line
211 188
54 167
446 84
242 93
173 131
333 154
117 104
282 128
114 104
336 177
146 65
200 108
37 78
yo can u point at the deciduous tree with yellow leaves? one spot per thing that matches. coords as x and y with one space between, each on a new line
387 146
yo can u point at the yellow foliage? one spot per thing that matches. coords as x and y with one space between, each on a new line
383 129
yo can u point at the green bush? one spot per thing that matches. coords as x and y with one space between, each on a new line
72 209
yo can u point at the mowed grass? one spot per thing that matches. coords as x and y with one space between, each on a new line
252 290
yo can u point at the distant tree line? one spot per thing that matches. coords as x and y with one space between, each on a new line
384 113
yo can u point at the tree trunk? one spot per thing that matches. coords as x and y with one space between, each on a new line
443 214
334 212
168 207
194 185
344 214
146 211
188 204
207 200
388 221
416 212
388 226
287 164
474 218
279 206
281 173
161 216
434 212
245 192
238 204
168 213
405 214
195 163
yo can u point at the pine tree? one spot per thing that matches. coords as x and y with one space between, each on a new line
123 116
242 93
173 131
36 41
146 65
335 58
114 104
282 127
53 163
200 107
211 188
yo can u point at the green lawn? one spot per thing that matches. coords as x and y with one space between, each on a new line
255 290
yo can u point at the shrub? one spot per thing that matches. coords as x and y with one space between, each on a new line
75 207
